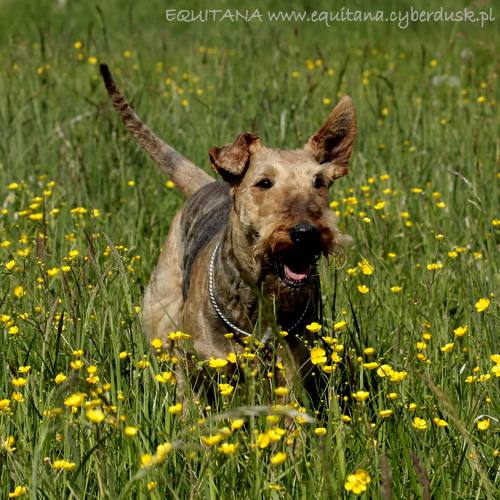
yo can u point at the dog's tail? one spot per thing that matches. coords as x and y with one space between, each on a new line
186 176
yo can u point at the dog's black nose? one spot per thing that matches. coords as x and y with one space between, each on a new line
306 235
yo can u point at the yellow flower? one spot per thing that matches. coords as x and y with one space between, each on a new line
217 363
379 205
281 391
440 423
397 376
434 267
92 60
396 289
19 382
52 272
10 265
361 395
483 425
340 325
358 482
226 389
24 369
19 291
76 365
63 464
163 449
363 289
174 409
365 267
448 347
147 460
320 431
4 405
237 424
95 415
178 335
228 448
369 351
482 304
385 413
419 423
371 366
461 331
130 431
384 371
318 356
279 458
18 491
212 440
231 357
75 399
336 358
314 327
165 377
412 407
157 343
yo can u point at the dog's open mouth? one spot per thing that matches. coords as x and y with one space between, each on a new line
295 270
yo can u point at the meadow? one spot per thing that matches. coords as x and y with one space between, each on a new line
408 338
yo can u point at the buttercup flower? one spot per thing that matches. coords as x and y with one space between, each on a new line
419 423
448 347
483 425
361 395
358 482
314 327
228 448
461 331
217 363
279 458
226 389
18 491
482 304
95 415
440 423
281 391
174 409
318 356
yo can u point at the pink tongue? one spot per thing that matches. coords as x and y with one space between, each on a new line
297 276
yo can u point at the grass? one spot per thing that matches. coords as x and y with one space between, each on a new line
87 408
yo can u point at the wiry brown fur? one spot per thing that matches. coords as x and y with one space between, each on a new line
271 223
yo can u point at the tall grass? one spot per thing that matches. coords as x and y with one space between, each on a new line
87 405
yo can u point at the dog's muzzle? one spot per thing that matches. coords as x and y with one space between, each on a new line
298 262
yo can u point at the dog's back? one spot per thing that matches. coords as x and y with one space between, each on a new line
204 215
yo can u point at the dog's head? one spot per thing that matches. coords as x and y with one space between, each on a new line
281 197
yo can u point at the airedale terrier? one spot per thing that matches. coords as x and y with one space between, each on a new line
249 243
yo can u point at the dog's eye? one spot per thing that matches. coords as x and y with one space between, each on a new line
264 184
318 183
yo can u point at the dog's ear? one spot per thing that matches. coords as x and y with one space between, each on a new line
333 143
231 161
